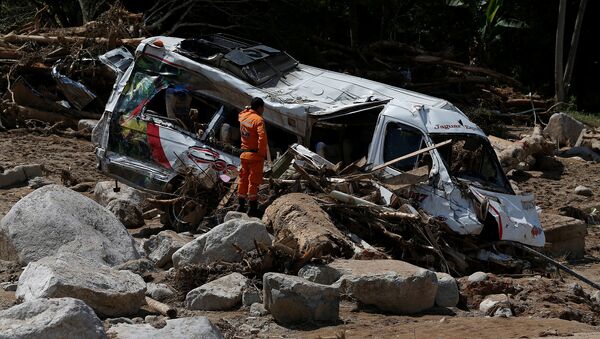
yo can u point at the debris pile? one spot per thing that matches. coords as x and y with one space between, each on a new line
53 76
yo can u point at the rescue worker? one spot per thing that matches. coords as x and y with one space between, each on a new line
254 148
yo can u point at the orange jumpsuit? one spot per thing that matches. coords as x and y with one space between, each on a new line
254 145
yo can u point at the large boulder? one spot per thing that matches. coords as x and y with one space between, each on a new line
293 300
20 174
160 247
565 236
55 219
447 293
127 212
61 318
563 129
108 291
218 243
104 192
221 294
190 328
389 285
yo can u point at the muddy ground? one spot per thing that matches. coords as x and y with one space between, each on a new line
546 306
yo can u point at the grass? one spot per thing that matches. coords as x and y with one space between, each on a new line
591 119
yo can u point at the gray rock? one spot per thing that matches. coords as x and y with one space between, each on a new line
159 292
8 286
491 301
251 295
582 190
320 274
293 300
160 247
137 266
596 297
189 328
104 193
221 294
127 212
503 312
119 320
87 125
563 129
156 321
20 174
217 244
389 285
258 310
38 182
55 219
477 277
108 291
238 215
447 293
63 318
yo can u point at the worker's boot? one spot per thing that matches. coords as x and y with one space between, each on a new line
241 205
253 211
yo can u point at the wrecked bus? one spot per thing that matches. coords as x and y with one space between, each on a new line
175 104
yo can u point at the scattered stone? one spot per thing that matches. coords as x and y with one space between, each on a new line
55 219
156 321
127 212
159 292
108 291
82 187
447 293
119 320
239 215
87 125
160 247
563 129
20 174
217 244
564 235
104 193
138 320
293 300
491 301
320 274
38 182
389 285
137 266
194 327
582 190
251 295
503 312
596 297
478 277
9 286
51 318
221 294
258 310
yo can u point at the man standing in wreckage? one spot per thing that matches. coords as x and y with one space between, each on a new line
254 148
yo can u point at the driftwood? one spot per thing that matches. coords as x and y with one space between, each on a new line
161 308
47 40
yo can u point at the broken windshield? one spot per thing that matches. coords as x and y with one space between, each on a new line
471 157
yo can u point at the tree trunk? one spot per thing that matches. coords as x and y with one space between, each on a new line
558 53
573 50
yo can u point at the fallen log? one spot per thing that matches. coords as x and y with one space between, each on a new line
48 40
299 223
161 308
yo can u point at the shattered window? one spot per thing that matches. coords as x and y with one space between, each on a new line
401 140
471 158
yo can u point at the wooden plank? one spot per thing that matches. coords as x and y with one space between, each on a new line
410 155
